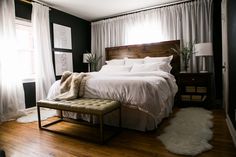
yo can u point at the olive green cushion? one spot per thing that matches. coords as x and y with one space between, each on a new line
82 105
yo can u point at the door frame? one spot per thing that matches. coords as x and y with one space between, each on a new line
225 64
225 67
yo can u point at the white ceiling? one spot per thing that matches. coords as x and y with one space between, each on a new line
97 9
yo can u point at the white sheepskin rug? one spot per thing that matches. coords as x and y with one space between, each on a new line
32 116
189 132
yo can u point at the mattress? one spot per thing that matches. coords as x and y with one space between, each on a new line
146 97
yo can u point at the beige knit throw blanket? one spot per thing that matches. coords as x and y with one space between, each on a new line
72 85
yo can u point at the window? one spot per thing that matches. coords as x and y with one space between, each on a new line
25 48
144 32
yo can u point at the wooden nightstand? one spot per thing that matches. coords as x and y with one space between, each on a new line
194 89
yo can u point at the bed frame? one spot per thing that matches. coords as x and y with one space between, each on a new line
159 49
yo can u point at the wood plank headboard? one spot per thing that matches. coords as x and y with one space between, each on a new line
159 49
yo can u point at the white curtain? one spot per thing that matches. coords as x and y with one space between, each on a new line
188 22
11 88
107 33
42 46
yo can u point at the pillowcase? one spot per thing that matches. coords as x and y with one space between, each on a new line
116 62
161 66
132 61
115 69
158 59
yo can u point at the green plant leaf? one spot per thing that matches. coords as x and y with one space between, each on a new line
185 52
93 60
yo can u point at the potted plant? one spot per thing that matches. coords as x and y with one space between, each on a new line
93 61
186 53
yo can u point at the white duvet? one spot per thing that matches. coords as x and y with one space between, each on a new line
149 92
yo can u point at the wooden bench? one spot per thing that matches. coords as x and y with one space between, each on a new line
97 107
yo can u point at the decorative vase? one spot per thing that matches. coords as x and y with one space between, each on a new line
93 67
186 66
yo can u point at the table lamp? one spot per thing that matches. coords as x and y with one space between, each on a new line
203 50
85 59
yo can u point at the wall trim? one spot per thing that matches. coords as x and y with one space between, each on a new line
231 129
28 110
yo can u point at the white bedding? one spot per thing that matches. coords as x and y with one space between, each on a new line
149 92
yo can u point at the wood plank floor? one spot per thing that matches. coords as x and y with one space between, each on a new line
27 140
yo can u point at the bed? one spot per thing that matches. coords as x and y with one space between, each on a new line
146 96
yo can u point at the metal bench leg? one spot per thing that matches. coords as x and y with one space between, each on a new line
61 114
101 128
90 118
120 119
39 118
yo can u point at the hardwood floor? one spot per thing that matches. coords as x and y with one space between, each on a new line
27 140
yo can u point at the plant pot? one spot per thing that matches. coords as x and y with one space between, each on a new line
186 66
93 67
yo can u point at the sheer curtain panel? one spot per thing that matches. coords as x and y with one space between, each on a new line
11 88
188 22
43 53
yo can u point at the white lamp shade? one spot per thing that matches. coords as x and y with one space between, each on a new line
85 57
203 49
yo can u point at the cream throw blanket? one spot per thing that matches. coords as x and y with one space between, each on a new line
72 85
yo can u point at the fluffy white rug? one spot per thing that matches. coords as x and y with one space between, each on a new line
189 132
32 115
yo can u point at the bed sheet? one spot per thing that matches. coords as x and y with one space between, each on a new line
150 93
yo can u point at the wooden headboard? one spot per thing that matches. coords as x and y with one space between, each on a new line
160 49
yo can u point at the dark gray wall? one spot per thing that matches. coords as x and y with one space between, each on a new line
81 37
232 58
81 34
217 50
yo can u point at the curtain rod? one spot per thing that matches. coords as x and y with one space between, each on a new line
30 2
143 9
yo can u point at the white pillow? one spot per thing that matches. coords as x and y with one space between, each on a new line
158 59
116 62
161 66
115 69
131 61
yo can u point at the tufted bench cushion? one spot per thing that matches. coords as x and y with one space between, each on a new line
97 107
82 105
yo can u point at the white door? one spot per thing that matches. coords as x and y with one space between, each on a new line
224 54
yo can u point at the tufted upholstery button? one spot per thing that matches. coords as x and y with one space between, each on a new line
82 105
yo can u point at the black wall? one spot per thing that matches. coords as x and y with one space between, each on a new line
232 58
217 49
81 37
81 34
30 96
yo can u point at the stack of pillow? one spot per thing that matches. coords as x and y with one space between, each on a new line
146 64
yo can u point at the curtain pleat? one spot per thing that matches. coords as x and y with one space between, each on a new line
11 88
45 76
188 22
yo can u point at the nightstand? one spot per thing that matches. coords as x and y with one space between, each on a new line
194 89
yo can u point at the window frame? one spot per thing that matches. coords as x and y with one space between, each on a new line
25 22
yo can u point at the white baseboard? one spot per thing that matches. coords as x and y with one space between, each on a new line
28 110
231 129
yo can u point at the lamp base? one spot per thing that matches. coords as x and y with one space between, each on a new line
89 67
203 71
